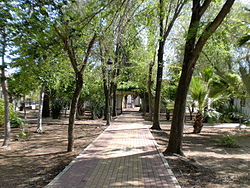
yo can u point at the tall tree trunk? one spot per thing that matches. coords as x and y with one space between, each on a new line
105 89
24 107
144 104
40 110
7 128
114 90
46 101
149 88
72 114
175 140
164 32
191 55
156 122
126 101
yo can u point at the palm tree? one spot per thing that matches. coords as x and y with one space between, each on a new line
199 92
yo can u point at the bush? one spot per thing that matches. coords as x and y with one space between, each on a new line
231 114
211 116
15 120
23 134
228 141
56 108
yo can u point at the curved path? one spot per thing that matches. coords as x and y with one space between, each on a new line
124 155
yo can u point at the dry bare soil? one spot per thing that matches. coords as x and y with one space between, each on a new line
207 163
35 161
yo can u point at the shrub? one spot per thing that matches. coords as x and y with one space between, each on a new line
228 141
211 116
15 120
23 134
56 108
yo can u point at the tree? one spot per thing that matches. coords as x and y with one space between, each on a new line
173 11
193 47
7 34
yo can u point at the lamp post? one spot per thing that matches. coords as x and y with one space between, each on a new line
109 67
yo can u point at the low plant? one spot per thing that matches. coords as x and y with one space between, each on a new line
56 108
211 116
15 120
228 141
23 134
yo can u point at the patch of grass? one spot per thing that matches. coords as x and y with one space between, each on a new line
23 134
228 141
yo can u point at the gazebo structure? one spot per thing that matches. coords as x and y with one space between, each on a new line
130 96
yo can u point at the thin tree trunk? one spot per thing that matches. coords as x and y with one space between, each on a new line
156 122
149 87
7 128
46 101
40 111
144 104
114 113
72 114
164 32
105 91
24 108
126 101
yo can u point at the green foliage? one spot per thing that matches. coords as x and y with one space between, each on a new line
168 92
212 116
228 140
23 134
207 73
14 119
93 93
198 90
56 107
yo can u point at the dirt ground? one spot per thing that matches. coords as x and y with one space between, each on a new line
35 161
207 163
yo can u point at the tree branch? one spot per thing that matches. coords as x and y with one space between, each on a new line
211 27
67 48
204 7
176 14
91 43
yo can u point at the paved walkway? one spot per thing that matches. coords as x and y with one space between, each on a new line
124 155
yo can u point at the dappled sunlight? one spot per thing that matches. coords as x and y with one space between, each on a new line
125 155
229 166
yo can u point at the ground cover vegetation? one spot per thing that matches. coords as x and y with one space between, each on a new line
178 55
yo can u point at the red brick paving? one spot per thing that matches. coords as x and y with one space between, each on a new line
124 155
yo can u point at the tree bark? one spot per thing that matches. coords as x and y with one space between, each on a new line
175 140
24 108
191 55
105 89
149 88
7 129
72 114
46 101
114 90
198 123
40 110
156 122
164 32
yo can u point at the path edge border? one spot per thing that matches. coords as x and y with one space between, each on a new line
53 181
165 162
